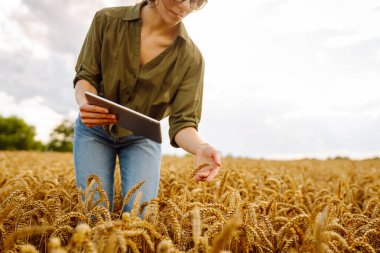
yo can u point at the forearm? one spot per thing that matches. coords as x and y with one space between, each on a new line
80 87
189 139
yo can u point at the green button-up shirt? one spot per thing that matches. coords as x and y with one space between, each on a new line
171 84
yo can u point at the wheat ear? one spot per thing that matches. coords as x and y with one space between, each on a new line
226 233
8 244
194 172
129 195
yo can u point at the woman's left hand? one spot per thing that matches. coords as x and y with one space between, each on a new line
207 154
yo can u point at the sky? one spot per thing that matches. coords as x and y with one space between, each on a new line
285 79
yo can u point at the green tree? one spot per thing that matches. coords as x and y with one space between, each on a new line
15 134
61 138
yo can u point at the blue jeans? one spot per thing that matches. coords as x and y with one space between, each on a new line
95 152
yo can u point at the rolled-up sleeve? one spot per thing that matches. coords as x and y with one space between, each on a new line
186 106
88 66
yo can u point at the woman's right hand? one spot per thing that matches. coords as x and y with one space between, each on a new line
93 115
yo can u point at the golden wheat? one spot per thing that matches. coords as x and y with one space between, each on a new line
255 206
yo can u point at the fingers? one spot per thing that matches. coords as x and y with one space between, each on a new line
203 173
92 115
207 155
93 108
212 175
217 158
208 178
207 174
198 178
97 122
204 169
96 119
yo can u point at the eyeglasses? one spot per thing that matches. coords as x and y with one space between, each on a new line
194 4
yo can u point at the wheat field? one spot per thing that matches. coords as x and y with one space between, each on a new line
252 206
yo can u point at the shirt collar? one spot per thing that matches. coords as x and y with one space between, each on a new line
133 13
183 33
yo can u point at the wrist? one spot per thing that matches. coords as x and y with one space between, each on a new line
201 146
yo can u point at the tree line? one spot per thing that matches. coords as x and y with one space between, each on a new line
16 134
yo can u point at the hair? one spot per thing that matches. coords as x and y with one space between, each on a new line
150 3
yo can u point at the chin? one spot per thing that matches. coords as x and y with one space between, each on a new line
172 18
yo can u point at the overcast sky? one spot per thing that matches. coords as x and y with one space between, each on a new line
284 78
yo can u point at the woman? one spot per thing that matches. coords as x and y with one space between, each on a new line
141 57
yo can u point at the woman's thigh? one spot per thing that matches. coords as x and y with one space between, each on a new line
140 160
93 155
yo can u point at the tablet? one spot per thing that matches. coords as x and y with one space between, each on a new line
138 123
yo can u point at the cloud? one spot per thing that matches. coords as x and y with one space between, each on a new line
39 47
50 78
378 54
339 119
356 22
60 25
